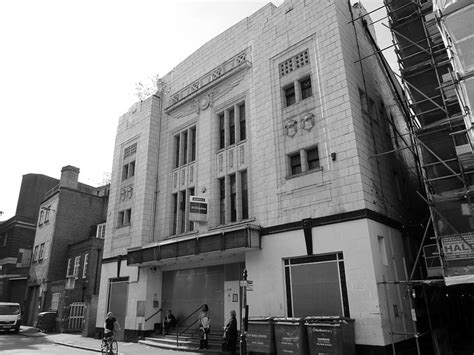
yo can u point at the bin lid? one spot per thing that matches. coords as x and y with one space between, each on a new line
46 313
260 319
328 319
288 319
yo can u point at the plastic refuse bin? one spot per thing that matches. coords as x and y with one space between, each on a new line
46 321
291 336
330 335
260 335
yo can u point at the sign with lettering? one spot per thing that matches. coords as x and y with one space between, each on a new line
458 247
260 336
198 209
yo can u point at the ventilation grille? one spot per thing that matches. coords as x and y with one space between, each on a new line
294 63
130 150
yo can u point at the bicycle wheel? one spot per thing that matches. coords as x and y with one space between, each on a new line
114 347
104 347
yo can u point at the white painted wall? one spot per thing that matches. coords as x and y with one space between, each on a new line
359 243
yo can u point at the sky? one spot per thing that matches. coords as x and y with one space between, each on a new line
69 69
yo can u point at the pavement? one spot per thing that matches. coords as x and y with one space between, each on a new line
91 344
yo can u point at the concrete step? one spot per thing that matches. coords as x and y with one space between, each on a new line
188 342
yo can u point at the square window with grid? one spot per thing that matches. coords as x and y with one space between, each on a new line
295 62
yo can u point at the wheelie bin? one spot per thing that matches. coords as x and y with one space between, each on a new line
291 336
330 335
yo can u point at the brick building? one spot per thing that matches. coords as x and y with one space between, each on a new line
17 235
67 215
278 128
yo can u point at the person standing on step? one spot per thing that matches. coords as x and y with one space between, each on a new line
204 327
230 333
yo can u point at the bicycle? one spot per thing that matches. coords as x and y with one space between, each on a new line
109 345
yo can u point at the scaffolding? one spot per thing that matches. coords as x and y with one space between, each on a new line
433 41
433 73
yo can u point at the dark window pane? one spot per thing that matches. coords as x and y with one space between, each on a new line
125 172
243 132
176 151
295 163
222 200
175 212
316 290
306 90
131 169
313 158
233 199
193 144
231 127
185 147
221 131
290 97
182 207
245 199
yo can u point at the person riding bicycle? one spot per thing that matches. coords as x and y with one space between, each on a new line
109 325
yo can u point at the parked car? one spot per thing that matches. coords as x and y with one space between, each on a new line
10 316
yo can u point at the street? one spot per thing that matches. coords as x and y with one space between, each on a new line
30 341
19 344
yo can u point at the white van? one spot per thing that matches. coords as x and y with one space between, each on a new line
10 316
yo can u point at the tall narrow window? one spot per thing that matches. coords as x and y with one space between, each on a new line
231 127
305 86
185 147
35 253
176 150
243 130
41 252
86 264
245 198
193 144
290 96
191 223
222 200
233 198
77 264
221 131
68 271
182 208
175 212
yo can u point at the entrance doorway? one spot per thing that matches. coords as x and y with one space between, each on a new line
118 299
232 300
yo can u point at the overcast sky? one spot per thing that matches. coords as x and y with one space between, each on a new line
69 69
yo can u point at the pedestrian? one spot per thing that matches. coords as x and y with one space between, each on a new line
231 334
204 327
168 322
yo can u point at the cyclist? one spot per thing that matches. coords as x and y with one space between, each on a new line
109 326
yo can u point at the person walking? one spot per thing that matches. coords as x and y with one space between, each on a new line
231 334
204 327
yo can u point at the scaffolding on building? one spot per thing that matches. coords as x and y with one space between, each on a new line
434 41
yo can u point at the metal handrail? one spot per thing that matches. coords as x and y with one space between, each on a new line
154 314
178 333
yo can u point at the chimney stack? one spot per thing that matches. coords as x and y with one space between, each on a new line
69 177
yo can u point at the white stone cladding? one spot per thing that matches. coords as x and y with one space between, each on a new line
349 178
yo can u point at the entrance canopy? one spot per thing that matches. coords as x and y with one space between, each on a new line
241 238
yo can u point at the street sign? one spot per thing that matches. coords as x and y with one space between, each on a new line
197 209
248 284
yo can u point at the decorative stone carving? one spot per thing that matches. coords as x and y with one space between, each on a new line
204 102
291 127
307 121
